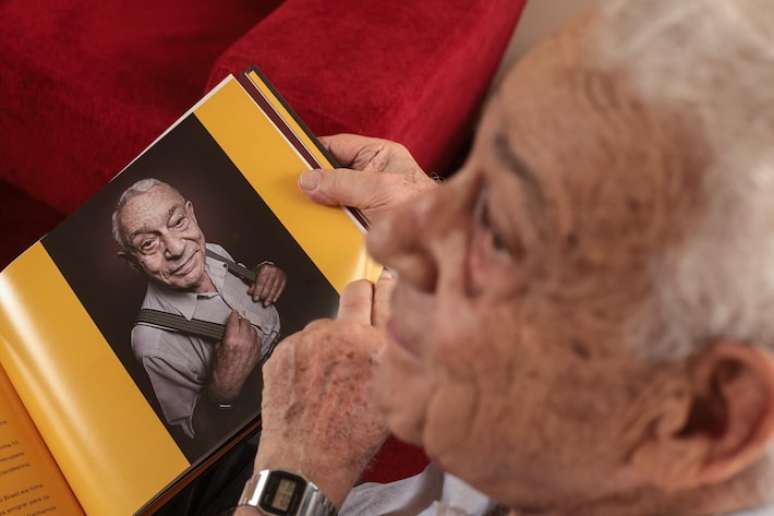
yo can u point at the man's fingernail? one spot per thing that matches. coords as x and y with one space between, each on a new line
309 180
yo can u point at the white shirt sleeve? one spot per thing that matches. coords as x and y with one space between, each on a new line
430 493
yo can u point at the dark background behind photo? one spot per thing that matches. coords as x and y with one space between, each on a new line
229 212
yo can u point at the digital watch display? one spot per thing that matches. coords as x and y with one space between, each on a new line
282 494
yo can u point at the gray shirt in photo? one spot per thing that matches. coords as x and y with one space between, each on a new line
178 365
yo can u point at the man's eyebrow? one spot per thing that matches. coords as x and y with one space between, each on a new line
140 231
146 229
516 165
173 209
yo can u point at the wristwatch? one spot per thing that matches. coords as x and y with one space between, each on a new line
282 493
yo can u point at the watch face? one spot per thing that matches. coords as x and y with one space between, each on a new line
282 493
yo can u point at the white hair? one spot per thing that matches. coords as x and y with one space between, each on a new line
140 187
714 58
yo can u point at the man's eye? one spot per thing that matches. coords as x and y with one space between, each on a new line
496 242
147 245
180 223
484 220
499 244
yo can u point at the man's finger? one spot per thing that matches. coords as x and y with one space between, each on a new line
244 324
341 187
380 312
280 289
232 323
345 147
271 276
260 283
356 301
255 289
271 289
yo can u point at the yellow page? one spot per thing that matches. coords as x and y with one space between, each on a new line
30 481
110 446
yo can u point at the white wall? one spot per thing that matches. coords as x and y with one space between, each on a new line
541 17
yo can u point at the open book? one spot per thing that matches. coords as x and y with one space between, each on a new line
111 325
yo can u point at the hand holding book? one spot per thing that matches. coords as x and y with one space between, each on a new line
319 418
379 175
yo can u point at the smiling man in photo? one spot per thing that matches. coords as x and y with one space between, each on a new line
200 381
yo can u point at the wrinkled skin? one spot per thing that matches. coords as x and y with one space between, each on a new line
164 240
379 174
508 360
320 418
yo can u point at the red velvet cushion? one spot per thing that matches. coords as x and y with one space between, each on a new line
85 86
414 72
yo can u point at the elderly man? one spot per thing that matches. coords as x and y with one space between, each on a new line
198 379
582 322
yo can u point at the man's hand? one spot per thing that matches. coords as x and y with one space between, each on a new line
380 174
269 283
318 415
235 358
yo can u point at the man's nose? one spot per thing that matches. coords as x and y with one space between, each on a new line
412 239
173 246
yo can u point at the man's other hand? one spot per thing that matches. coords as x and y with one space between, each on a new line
235 358
379 175
269 283
318 415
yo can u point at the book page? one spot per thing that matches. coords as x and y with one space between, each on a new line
110 446
30 481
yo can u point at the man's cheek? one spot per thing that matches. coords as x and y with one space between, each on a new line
151 267
458 340
450 420
402 390
200 265
194 234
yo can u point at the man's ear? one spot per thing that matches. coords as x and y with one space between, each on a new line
189 208
721 423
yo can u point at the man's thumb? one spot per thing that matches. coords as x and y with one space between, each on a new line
340 187
232 322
